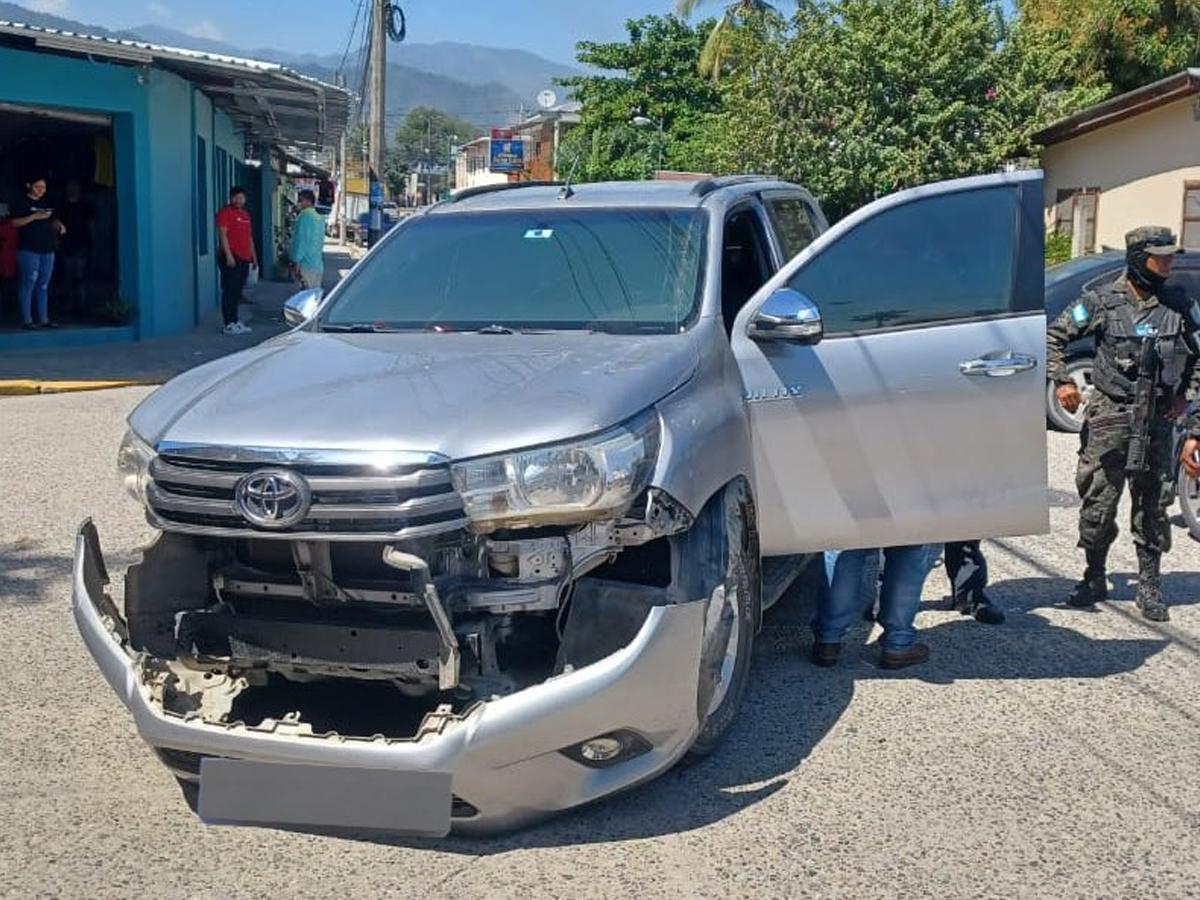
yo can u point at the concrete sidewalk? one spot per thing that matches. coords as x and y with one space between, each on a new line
159 359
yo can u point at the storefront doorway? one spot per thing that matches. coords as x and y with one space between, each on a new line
74 152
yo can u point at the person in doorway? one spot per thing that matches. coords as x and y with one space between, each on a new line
307 249
75 249
966 568
904 572
38 232
1146 369
237 255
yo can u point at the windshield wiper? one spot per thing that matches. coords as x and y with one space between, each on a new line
495 329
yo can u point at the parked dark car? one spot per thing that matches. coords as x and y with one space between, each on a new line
1065 283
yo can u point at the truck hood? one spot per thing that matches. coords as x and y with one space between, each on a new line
458 395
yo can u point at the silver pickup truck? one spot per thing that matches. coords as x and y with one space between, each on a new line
490 532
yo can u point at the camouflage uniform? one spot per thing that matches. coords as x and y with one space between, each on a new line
1120 322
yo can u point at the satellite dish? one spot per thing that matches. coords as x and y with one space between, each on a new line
547 99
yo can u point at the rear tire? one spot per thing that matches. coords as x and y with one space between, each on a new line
1080 371
732 617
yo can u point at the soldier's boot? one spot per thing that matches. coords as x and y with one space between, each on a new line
1094 586
1149 590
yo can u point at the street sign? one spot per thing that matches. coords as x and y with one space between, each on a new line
507 153
376 192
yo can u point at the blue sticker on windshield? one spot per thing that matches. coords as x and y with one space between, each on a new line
1079 313
539 234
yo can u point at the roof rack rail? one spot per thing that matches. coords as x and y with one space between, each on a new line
467 193
708 185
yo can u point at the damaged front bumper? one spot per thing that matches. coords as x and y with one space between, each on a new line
499 764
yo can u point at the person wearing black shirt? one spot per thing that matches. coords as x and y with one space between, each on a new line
38 232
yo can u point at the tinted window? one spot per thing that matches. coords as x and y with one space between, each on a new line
944 257
794 224
610 269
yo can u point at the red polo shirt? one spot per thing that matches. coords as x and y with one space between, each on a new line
236 223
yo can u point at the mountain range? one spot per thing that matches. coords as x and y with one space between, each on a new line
487 86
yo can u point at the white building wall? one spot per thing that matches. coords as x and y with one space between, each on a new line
1140 166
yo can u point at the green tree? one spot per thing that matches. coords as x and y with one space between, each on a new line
721 47
1120 44
860 98
653 75
425 135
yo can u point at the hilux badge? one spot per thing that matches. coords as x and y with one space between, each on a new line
273 498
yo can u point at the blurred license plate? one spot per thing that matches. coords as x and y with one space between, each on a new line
239 791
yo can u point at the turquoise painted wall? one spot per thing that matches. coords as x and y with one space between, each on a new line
45 79
169 200
156 119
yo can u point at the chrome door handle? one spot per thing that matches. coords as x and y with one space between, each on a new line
999 365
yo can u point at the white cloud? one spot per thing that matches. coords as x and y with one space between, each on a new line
53 7
207 29
158 10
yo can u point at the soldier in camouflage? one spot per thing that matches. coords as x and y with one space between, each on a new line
1138 308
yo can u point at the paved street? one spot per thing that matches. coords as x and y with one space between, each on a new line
1054 757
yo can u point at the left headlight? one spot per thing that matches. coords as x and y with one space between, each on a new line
133 465
562 483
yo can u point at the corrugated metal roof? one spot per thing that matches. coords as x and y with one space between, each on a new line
268 101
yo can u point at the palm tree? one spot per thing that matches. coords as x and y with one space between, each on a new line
720 40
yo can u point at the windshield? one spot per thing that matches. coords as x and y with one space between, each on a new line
598 269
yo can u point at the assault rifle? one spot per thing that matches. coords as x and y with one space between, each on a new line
1141 416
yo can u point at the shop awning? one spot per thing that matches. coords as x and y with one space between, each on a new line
268 101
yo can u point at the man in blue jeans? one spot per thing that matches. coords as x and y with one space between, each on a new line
904 572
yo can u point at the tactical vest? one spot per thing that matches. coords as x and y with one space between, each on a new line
1119 350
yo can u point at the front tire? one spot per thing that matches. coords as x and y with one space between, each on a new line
733 613
1080 371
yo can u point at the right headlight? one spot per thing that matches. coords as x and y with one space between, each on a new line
563 483
133 465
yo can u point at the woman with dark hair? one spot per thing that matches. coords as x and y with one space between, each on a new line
37 237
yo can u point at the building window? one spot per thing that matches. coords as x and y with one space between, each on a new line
1075 215
1190 233
202 223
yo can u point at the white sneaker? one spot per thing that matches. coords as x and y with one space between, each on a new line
232 328
243 328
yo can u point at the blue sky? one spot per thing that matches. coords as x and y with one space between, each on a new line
547 27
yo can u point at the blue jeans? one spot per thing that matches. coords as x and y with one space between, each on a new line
904 572
36 269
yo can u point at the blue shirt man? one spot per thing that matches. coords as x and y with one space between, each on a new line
307 250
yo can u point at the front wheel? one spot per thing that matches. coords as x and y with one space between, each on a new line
732 615
1188 491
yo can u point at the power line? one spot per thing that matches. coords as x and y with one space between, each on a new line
350 38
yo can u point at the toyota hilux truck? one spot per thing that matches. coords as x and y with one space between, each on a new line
489 533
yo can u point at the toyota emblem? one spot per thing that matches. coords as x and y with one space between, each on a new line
273 498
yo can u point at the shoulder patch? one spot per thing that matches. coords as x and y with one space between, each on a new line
1079 312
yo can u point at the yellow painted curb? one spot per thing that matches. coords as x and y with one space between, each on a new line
25 386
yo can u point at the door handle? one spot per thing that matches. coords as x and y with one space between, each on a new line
998 365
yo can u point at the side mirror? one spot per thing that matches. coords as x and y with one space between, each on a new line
787 316
301 307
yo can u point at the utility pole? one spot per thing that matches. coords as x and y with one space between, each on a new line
340 209
376 132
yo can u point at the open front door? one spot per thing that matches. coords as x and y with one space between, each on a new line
916 413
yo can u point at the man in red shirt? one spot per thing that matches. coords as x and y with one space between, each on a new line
236 257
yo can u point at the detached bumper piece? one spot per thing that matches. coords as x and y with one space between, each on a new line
496 765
